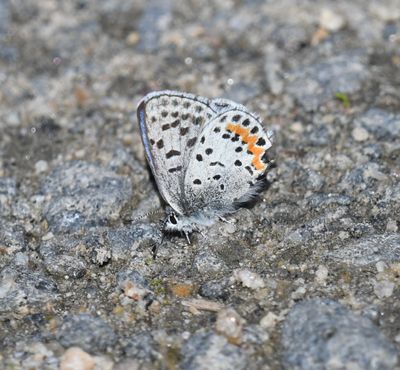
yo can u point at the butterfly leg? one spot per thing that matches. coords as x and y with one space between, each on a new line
200 231
156 246
186 235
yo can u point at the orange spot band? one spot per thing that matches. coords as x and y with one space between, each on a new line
250 140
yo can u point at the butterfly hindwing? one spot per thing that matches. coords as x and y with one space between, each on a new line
227 162
170 123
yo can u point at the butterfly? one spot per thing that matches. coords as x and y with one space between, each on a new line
208 156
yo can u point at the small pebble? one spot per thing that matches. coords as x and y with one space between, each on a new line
360 134
133 38
330 20
381 266
48 236
249 279
384 288
299 293
229 228
133 291
321 274
391 226
297 127
230 324
41 166
269 320
75 358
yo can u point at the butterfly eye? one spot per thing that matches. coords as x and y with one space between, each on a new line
173 220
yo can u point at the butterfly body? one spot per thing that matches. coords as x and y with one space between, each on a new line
208 156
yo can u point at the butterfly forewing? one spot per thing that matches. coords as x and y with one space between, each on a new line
170 123
227 162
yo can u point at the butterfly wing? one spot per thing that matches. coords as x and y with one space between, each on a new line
227 162
170 123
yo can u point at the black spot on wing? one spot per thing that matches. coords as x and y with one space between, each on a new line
199 157
198 121
254 130
217 129
152 141
164 113
248 168
185 116
236 118
191 142
197 182
183 131
216 177
160 144
172 153
217 164
165 127
175 114
260 141
209 151
238 163
175 123
174 169
246 122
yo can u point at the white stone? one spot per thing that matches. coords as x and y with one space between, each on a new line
48 236
269 320
297 127
299 293
383 288
230 324
41 166
75 358
381 266
360 134
249 279
330 20
321 274
391 226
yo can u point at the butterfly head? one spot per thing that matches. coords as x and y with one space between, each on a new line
179 223
174 222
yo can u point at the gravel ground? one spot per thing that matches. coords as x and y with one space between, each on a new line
309 278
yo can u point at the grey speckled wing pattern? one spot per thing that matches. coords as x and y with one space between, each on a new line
226 163
206 155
